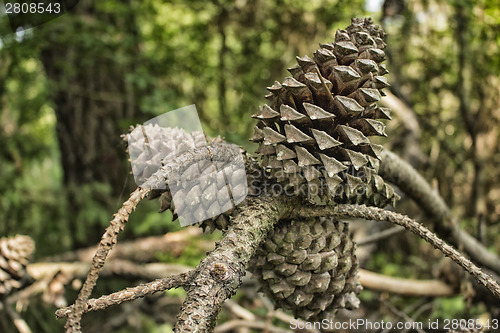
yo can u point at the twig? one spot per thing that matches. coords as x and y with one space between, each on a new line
108 240
422 288
401 315
19 322
234 324
329 93
40 271
286 318
129 294
378 214
380 236
419 311
239 311
399 172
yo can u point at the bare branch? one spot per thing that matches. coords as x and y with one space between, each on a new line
399 172
422 288
378 214
380 236
130 294
39 271
401 315
239 311
19 322
231 325
108 240
286 318
141 250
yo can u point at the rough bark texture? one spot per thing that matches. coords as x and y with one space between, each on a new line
219 275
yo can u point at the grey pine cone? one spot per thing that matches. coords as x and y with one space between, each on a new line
310 267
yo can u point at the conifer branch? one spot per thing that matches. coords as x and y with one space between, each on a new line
108 240
378 214
130 294
403 175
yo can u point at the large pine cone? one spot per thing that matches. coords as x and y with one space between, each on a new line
310 267
14 254
313 141
313 134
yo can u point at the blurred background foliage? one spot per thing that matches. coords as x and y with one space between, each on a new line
70 87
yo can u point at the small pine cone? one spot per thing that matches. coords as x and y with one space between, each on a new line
313 135
309 267
14 255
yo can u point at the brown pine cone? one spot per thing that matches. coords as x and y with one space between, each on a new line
14 255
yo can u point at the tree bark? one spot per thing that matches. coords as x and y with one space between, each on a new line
90 94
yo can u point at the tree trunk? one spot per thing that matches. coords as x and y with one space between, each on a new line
86 57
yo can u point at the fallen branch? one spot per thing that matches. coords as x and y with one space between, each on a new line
143 249
422 288
231 325
130 294
400 173
39 271
239 311
380 236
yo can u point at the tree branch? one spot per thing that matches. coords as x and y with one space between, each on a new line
379 236
422 288
108 240
143 249
403 175
19 322
40 271
130 294
232 325
219 275
378 214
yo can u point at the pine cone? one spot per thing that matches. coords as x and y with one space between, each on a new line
313 141
313 135
201 187
310 267
14 254
149 145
